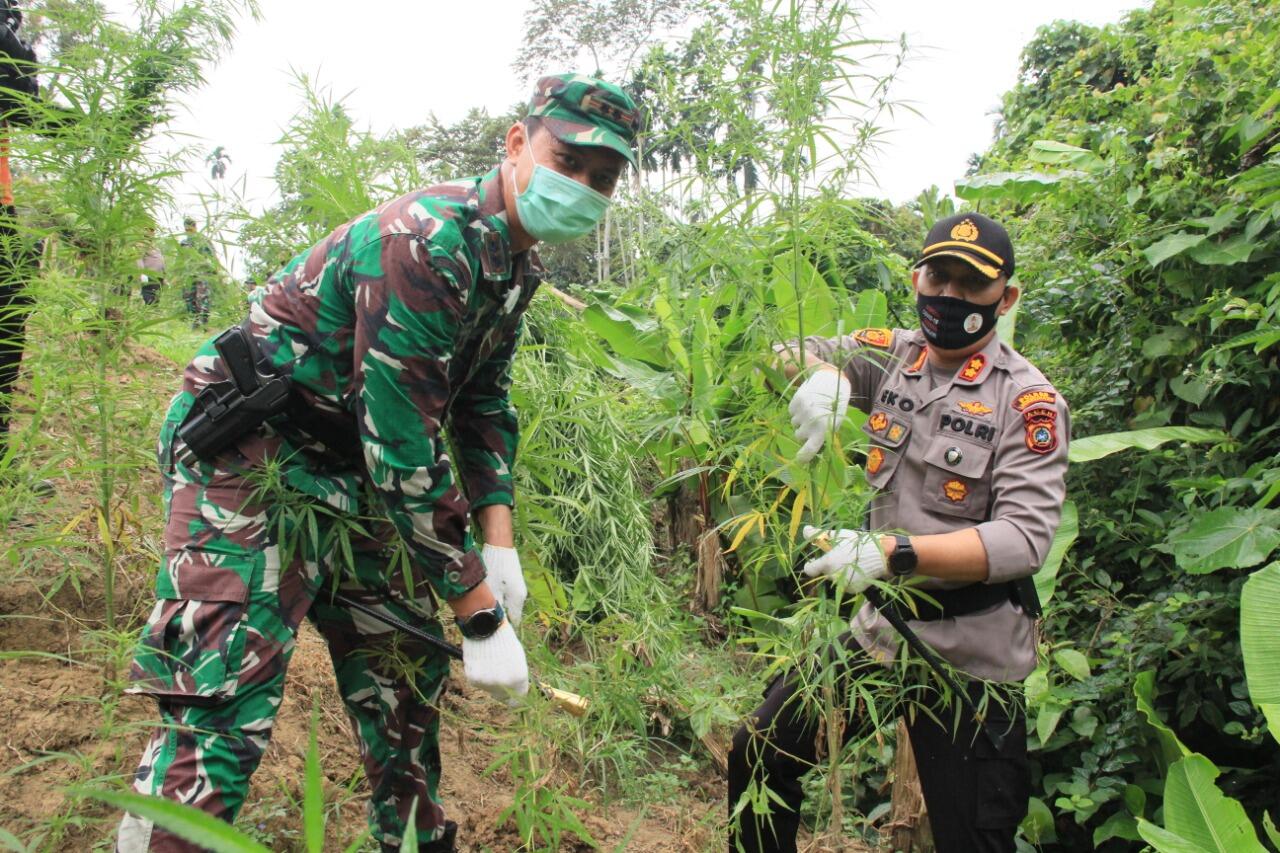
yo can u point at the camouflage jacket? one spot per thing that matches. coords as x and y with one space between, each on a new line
399 325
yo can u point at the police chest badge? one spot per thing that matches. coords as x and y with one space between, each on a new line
875 459
955 490
878 422
1042 429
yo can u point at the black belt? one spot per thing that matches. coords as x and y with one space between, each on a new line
967 599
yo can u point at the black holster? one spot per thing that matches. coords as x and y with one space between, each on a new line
224 412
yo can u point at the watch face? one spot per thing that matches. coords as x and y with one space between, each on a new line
481 624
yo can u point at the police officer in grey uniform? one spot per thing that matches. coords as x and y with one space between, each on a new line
967 451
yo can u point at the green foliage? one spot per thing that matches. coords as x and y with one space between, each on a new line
1197 816
1259 604
1137 164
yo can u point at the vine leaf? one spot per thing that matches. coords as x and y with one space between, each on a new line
1227 538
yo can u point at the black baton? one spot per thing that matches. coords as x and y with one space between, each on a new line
935 663
400 625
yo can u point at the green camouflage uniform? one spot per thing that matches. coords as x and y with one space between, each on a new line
398 327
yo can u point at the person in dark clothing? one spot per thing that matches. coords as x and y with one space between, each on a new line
17 258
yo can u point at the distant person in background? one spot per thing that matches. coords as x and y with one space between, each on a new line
152 266
17 253
198 269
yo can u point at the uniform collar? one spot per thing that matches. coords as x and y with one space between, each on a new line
496 261
980 365
973 372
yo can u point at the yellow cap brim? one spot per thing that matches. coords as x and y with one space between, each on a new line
986 269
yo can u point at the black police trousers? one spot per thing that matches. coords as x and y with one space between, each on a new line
975 795
16 265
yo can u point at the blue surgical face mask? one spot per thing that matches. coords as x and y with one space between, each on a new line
555 208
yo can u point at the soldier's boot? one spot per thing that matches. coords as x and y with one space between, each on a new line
443 844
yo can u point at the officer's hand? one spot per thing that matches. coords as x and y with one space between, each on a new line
497 664
506 579
818 405
855 554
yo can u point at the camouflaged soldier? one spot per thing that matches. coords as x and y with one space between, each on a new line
967 451
396 329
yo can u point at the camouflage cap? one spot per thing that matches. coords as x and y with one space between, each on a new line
583 110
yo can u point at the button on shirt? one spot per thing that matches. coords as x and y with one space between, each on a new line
985 447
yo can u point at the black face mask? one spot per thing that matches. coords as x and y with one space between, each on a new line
951 323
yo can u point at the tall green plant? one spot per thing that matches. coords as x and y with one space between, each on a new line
95 183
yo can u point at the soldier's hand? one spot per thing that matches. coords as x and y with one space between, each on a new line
855 554
818 406
506 579
497 664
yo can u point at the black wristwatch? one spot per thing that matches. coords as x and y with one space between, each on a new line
482 624
902 561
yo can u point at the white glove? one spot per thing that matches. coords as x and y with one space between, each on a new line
855 554
818 406
497 664
506 579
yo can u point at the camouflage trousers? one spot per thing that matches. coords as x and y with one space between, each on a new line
197 298
236 581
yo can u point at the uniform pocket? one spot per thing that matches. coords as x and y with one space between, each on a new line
191 651
955 480
1003 779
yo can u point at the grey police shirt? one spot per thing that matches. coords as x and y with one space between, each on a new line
985 449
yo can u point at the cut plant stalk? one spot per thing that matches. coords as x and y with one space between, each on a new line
571 702
917 645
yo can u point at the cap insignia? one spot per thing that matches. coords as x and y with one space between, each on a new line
966 231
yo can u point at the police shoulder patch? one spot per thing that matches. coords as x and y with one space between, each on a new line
1041 425
1031 398
874 337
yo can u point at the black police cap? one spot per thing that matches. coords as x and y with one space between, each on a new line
975 239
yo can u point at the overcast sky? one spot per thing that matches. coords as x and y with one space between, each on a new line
396 61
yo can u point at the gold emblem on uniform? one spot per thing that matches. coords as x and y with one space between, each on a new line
1030 398
955 490
965 231
875 459
874 337
973 369
976 408
878 422
896 432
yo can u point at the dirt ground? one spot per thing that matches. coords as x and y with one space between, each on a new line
56 720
